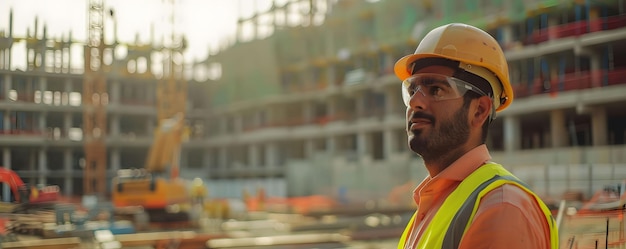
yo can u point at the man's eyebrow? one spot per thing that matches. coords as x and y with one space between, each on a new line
432 80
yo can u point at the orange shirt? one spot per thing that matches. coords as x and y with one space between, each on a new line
507 217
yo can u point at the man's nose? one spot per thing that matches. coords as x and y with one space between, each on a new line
418 99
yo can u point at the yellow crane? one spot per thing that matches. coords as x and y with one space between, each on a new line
95 99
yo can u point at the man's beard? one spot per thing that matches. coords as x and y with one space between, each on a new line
443 139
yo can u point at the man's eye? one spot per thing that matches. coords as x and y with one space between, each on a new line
435 91
412 89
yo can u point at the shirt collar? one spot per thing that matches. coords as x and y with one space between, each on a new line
466 164
456 172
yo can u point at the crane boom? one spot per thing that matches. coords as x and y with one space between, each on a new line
165 150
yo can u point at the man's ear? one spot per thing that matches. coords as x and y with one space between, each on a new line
480 112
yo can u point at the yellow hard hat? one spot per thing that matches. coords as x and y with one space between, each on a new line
477 51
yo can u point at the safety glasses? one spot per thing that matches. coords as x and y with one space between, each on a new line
435 87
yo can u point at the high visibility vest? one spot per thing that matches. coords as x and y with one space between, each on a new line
456 213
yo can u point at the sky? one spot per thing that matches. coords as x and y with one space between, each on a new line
205 23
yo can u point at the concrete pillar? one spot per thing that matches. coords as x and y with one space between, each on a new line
149 127
43 86
7 85
271 155
558 130
331 145
223 158
67 169
332 107
223 125
308 112
553 72
6 158
257 119
237 123
360 105
331 77
115 160
114 96
67 124
67 86
364 145
67 89
115 125
42 166
6 162
270 115
253 155
535 140
507 34
551 23
599 132
6 119
595 64
31 160
69 186
309 148
8 51
390 143
390 60
42 50
206 161
42 121
330 49
393 101
67 160
512 133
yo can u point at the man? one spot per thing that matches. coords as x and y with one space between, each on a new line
453 85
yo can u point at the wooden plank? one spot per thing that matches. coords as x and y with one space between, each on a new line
61 243
199 241
161 239
150 239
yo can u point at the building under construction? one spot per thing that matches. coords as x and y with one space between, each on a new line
304 101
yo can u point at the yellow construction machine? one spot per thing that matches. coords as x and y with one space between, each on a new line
159 192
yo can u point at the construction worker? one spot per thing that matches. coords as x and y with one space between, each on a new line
198 191
452 86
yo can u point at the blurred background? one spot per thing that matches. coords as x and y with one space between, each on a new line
258 118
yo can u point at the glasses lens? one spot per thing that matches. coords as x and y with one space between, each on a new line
433 87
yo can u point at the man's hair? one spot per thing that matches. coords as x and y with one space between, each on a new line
467 98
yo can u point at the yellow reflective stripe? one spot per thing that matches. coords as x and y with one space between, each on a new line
405 234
